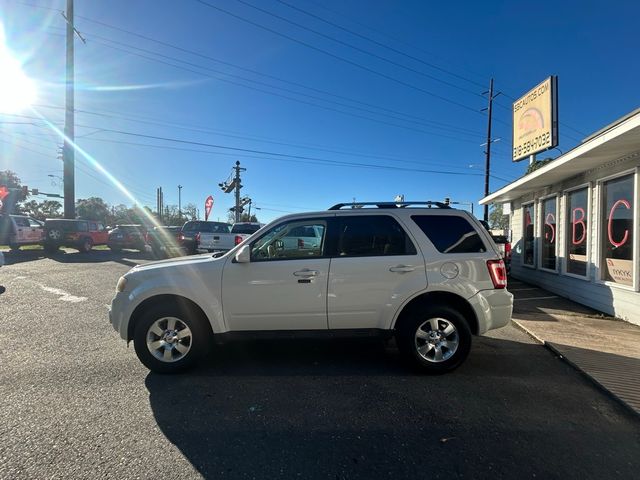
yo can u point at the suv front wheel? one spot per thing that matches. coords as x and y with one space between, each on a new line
169 339
435 339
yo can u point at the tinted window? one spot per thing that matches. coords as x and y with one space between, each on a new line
82 227
21 221
377 235
450 234
245 228
528 215
34 223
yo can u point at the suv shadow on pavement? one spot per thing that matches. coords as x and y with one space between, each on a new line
313 409
13 257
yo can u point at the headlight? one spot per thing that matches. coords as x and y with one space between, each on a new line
122 284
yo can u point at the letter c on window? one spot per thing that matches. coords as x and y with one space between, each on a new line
610 224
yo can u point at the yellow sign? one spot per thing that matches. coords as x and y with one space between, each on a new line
535 121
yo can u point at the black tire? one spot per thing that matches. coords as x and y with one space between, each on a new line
421 352
115 249
198 343
50 248
14 247
55 234
86 245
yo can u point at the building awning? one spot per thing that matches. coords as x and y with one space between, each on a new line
616 141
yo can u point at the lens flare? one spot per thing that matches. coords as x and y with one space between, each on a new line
17 91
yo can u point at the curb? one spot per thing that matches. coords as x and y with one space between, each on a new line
563 357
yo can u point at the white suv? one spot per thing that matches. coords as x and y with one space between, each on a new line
429 276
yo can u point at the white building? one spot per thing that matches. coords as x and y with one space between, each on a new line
575 221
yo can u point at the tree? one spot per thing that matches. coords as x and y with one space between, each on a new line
497 219
93 208
12 182
246 218
42 210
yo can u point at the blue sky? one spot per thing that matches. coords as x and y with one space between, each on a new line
321 103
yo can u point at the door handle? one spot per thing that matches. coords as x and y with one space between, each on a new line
306 273
402 268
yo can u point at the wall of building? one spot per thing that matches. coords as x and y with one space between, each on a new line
610 297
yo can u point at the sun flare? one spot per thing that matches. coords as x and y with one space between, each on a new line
17 90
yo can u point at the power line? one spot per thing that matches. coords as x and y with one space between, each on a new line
338 57
349 45
200 130
405 127
280 79
380 44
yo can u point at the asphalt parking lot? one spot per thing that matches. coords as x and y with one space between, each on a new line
78 404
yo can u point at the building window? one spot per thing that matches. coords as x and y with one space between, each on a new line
549 234
577 232
616 230
528 217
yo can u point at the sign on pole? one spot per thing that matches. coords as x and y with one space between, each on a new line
535 120
208 205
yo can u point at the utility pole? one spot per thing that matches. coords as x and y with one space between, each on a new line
487 165
238 187
180 202
68 151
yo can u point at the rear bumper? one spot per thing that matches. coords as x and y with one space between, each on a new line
493 308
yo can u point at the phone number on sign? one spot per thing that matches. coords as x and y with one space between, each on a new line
532 145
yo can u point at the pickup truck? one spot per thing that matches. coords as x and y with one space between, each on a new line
192 231
222 241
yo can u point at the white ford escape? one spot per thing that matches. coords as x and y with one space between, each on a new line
431 277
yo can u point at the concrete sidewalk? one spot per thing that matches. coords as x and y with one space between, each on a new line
605 349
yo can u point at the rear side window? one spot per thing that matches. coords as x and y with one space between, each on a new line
372 235
21 221
450 234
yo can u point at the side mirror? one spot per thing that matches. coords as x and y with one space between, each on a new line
244 254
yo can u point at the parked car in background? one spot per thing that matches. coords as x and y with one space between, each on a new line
165 241
19 230
192 231
80 234
127 236
504 247
430 277
222 241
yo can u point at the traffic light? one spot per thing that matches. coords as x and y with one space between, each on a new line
34 191
25 191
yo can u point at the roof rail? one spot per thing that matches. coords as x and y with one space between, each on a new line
428 203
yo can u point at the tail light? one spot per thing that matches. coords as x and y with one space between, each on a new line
181 237
146 237
507 250
238 240
498 273
198 238
300 243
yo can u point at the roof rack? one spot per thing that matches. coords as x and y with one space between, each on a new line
429 204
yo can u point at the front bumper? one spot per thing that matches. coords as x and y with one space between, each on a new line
119 315
493 308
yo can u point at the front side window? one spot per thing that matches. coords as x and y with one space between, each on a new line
292 240
549 234
450 234
616 230
577 235
372 236
528 249
21 221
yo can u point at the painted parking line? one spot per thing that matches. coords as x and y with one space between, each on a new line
535 298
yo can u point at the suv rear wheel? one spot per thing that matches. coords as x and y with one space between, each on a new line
86 245
169 339
435 339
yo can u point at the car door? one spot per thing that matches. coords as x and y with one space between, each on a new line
36 233
376 268
22 230
283 287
